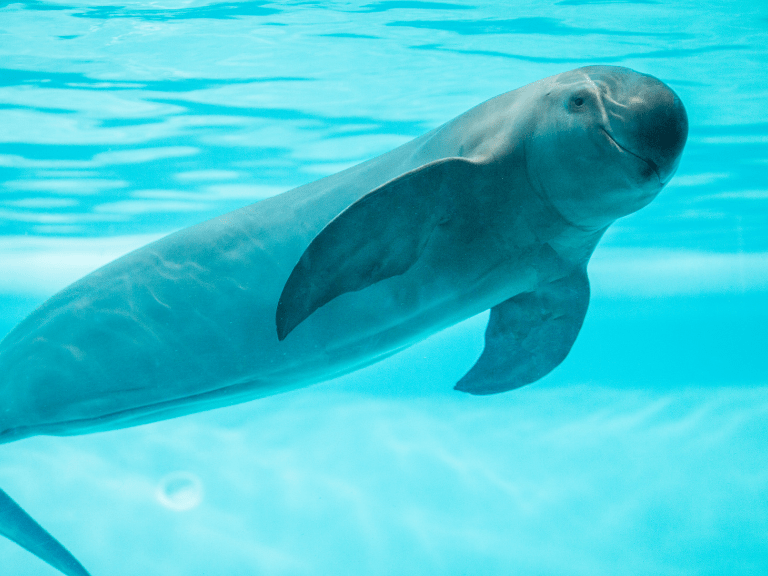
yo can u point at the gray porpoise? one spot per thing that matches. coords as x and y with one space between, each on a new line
500 208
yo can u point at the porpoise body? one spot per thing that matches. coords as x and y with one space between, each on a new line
500 208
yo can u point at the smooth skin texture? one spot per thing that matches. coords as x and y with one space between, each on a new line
499 208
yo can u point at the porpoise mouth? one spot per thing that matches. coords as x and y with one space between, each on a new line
651 164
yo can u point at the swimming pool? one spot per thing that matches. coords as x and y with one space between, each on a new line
644 452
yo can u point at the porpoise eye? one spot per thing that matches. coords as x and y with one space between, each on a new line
577 102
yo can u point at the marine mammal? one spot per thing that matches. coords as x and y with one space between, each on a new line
499 208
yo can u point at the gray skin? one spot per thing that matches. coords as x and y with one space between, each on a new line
499 208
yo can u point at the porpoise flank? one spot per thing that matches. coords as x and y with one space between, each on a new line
500 208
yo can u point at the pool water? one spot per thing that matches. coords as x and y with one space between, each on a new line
645 452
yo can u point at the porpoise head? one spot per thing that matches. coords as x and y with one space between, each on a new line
605 140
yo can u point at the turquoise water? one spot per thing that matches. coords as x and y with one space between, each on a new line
645 452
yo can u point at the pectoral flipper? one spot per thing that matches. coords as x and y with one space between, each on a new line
379 236
529 335
17 525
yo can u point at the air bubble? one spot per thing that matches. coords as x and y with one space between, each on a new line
180 491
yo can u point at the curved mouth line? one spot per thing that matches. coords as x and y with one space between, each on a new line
650 163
